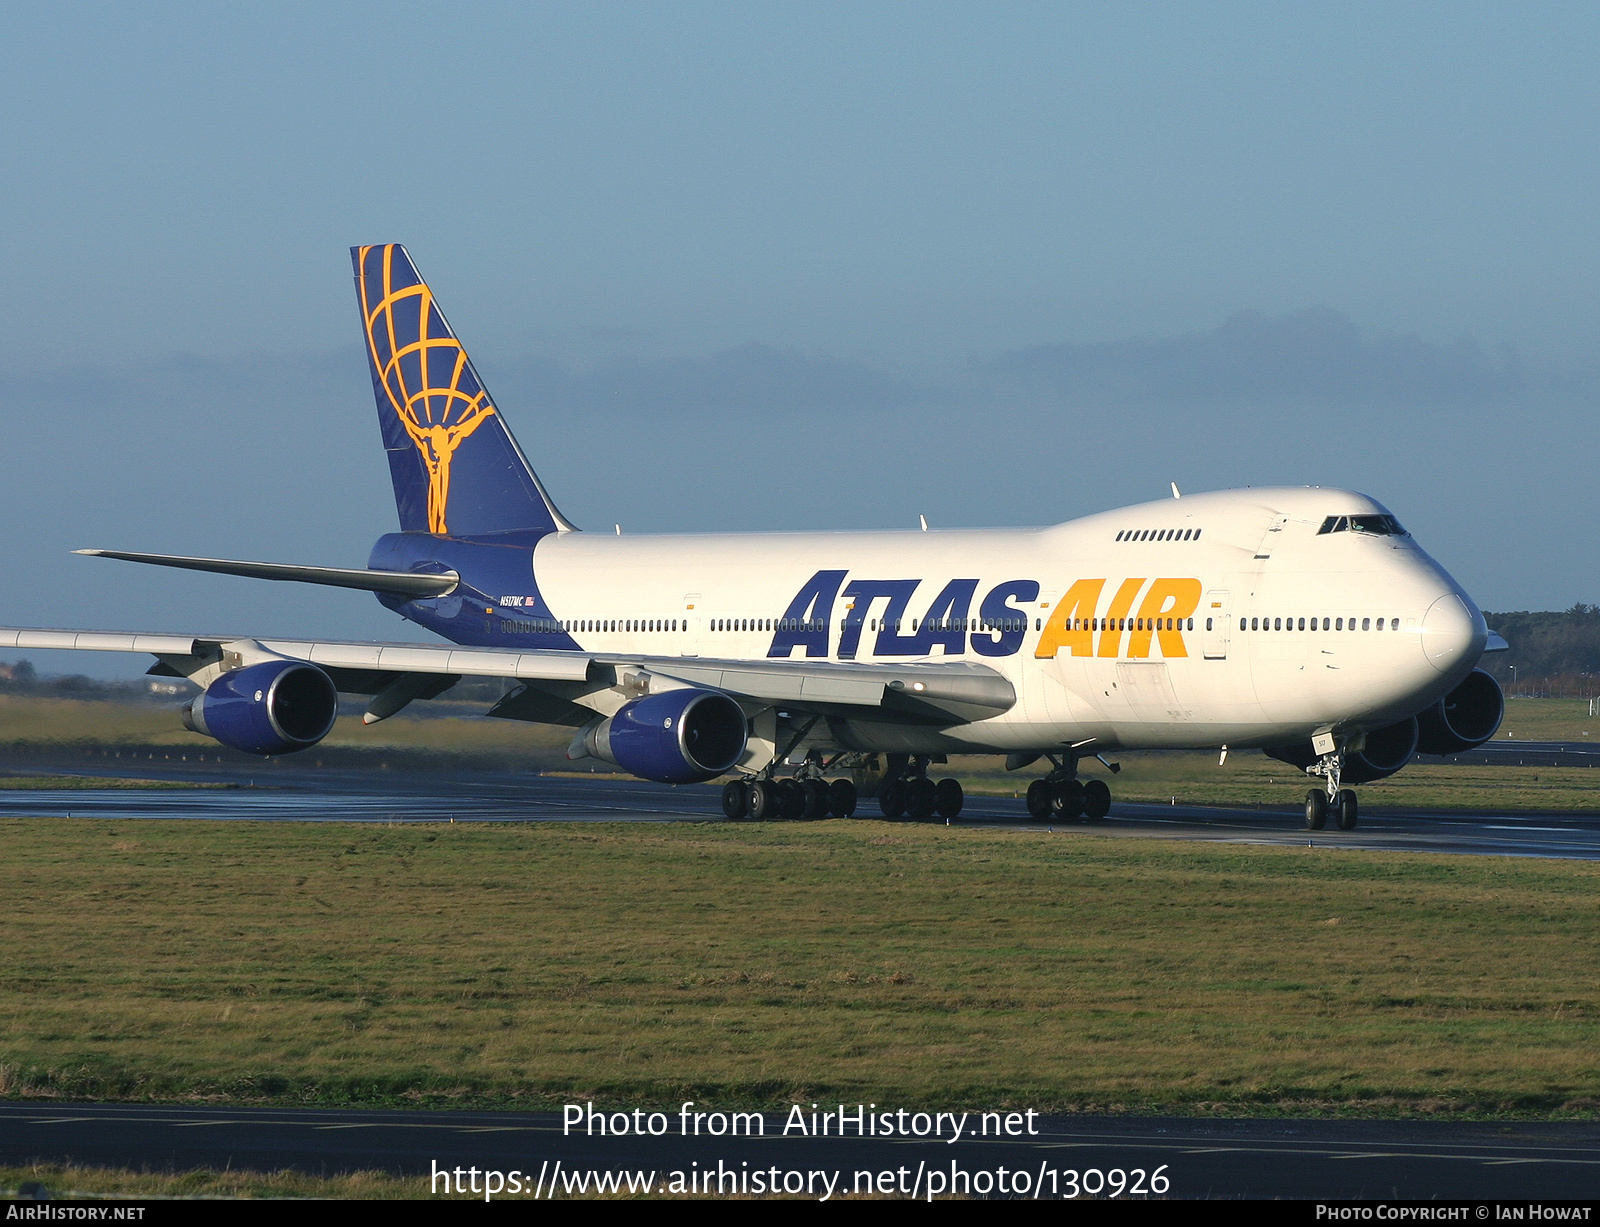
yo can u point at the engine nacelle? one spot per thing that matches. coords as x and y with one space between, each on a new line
276 707
1387 750
1465 718
678 737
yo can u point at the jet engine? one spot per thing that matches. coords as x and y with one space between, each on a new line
1464 719
677 737
276 707
1387 750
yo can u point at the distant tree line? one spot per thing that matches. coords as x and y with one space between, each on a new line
1556 652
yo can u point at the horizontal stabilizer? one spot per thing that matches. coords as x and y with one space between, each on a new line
1496 643
401 583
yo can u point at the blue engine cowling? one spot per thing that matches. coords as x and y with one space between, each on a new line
276 707
679 737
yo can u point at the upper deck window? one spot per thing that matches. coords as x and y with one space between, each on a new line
1377 525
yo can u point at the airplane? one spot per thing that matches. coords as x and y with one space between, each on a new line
1305 622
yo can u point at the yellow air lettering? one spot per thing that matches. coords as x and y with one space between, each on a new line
1167 598
1111 637
1069 625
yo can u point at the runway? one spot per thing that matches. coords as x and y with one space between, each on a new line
1219 1159
306 795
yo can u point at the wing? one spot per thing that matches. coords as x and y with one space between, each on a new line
569 687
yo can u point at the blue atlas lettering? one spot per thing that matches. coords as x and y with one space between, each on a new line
1004 626
861 594
805 624
945 623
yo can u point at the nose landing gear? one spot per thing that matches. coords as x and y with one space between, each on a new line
1331 800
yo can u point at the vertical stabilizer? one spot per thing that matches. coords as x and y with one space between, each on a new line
456 469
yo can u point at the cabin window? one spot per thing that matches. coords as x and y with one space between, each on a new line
1366 624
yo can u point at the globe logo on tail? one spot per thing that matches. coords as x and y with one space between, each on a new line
422 368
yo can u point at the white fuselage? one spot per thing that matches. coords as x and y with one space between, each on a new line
1089 650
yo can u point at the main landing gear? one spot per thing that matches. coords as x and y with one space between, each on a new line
1062 797
1331 800
802 797
913 795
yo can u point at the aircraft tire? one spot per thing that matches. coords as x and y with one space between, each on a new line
1096 800
948 798
1066 799
1039 800
735 800
791 800
817 799
763 803
922 796
1316 809
1348 810
842 798
892 800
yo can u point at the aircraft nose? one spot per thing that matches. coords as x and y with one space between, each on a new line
1451 632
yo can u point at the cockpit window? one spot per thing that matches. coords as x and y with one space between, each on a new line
1377 525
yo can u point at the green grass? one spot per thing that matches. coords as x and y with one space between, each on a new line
63 1180
35 720
763 964
46 783
1548 720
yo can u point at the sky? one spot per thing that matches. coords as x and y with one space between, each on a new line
786 266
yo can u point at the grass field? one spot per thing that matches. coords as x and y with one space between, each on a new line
759 965
65 1181
36 720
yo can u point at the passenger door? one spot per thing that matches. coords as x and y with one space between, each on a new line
1214 626
695 623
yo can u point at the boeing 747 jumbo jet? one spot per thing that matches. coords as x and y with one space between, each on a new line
1305 622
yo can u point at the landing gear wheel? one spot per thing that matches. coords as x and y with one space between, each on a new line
791 799
921 797
735 800
1347 810
1066 799
892 800
763 801
817 798
1039 800
842 798
1316 809
1096 800
948 798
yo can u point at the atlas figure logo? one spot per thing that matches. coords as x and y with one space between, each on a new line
879 607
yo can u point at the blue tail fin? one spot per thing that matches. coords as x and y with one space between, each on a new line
455 466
